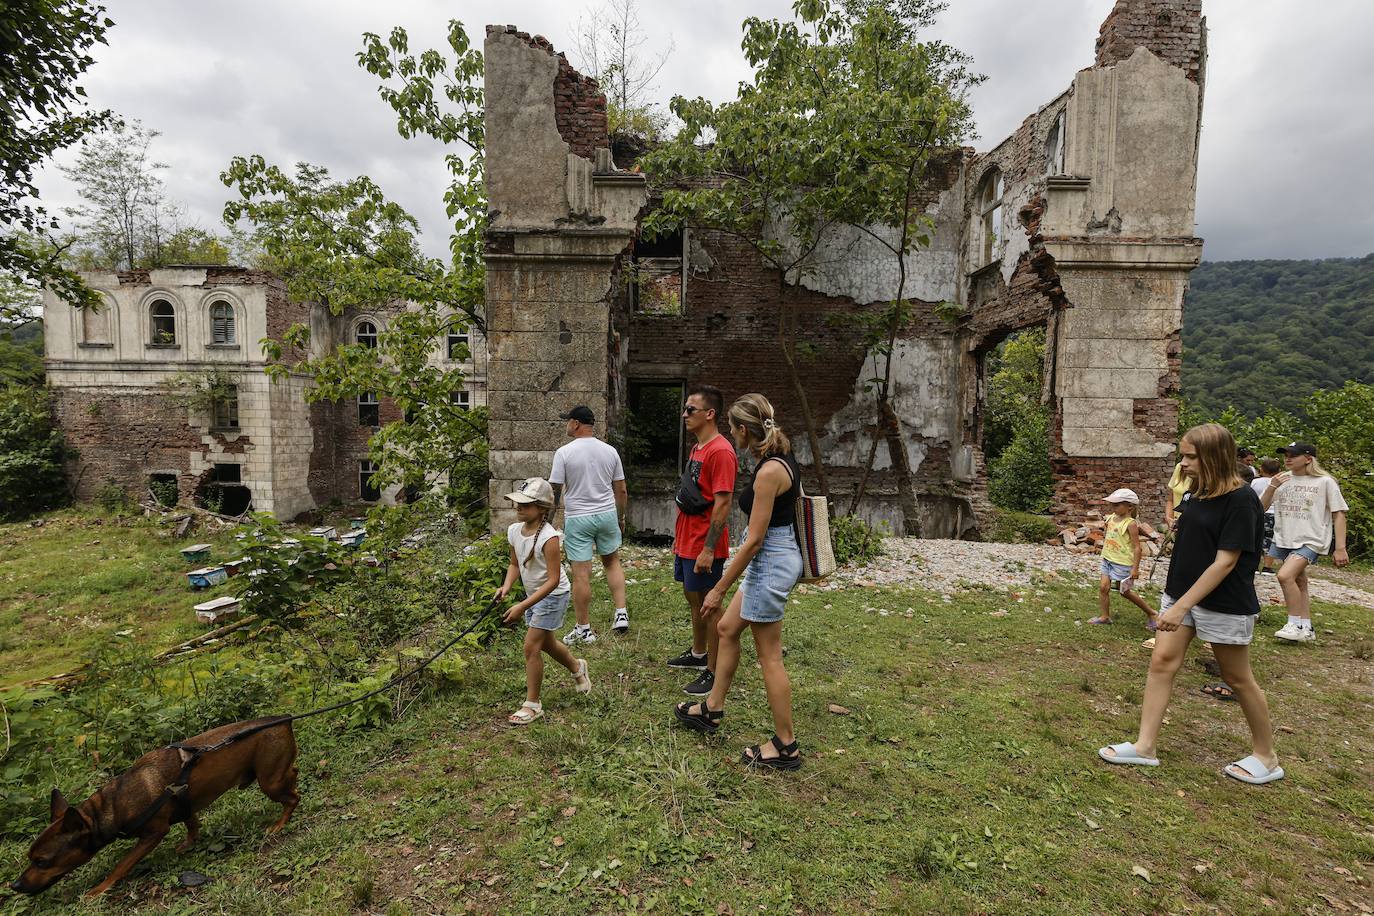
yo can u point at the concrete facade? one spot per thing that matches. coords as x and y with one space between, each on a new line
1080 223
108 371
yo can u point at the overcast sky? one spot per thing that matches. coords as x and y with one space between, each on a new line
1286 139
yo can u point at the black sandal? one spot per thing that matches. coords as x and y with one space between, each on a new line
1220 692
706 721
789 756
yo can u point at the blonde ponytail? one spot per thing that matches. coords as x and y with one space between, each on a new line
754 413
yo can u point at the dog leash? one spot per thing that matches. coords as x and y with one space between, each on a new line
177 788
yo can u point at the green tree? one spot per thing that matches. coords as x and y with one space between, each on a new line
1016 442
45 47
843 112
31 455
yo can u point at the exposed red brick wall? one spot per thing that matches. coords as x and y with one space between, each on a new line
1172 29
579 105
1081 483
122 436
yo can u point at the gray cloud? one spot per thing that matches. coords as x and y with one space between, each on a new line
1284 137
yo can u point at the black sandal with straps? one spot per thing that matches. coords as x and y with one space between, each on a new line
706 721
789 756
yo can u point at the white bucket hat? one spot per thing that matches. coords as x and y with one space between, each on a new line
533 490
1124 495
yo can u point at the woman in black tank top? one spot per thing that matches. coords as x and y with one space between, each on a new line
769 563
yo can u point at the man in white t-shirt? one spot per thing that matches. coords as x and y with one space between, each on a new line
589 482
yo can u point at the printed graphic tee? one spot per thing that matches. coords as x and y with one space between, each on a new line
1302 510
713 467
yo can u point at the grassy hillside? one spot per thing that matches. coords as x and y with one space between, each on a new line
1268 333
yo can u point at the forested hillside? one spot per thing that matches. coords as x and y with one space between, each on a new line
1258 334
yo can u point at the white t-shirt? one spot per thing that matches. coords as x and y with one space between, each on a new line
586 467
1302 512
534 573
1259 485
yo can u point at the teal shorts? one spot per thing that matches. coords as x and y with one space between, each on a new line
587 535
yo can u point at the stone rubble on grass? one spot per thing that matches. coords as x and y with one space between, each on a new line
946 566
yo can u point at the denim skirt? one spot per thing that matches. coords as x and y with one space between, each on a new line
771 576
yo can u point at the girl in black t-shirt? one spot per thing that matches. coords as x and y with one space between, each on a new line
1210 592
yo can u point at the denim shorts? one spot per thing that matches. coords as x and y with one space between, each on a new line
1213 626
1115 571
771 576
1282 553
684 571
548 614
588 535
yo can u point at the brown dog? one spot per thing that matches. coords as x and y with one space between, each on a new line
77 834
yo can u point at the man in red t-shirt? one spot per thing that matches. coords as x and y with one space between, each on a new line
701 543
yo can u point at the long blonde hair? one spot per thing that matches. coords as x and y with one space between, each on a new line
1216 473
543 520
754 413
1314 469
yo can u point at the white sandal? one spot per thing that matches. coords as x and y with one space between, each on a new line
580 678
527 713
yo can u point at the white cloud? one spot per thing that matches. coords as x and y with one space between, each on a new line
1285 127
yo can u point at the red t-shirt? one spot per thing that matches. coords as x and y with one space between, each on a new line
713 466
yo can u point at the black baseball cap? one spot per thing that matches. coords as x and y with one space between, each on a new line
1244 450
581 413
1298 448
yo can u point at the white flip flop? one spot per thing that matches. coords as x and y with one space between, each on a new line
1257 774
1126 754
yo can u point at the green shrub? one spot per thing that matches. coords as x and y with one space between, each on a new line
1012 527
1020 477
112 497
31 455
855 541
165 491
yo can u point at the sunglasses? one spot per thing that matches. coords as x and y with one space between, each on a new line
689 409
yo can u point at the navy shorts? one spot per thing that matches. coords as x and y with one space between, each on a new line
684 571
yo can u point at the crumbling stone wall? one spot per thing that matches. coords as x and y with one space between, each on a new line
1173 30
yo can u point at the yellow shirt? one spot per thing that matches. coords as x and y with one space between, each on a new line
1178 484
1116 547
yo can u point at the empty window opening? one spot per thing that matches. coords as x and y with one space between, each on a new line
222 324
369 410
1015 423
164 323
366 491
226 409
1054 147
366 334
223 491
95 325
989 228
656 275
653 427
165 488
459 344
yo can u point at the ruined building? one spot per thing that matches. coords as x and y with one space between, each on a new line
109 369
1081 223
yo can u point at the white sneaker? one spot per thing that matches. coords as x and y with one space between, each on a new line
1306 634
622 622
579 634
1291 632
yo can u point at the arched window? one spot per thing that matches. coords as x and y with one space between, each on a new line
95 325
164 323
366 334
1054 147
222 330
989 217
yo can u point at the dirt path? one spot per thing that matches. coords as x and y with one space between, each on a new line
947 565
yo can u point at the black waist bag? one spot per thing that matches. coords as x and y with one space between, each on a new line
689 498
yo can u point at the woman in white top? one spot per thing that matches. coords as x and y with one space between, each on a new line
1308 509
535 559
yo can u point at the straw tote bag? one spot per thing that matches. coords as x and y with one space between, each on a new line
813 536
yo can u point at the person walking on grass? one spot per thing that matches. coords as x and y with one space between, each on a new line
1121 554
1308 510
769 564
1269 467
536 561
701 541
589 481
1210 592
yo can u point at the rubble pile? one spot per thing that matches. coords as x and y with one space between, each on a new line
1088 537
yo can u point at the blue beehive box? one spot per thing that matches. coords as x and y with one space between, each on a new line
207 576
196 553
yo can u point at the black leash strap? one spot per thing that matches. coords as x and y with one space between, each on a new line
178 787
